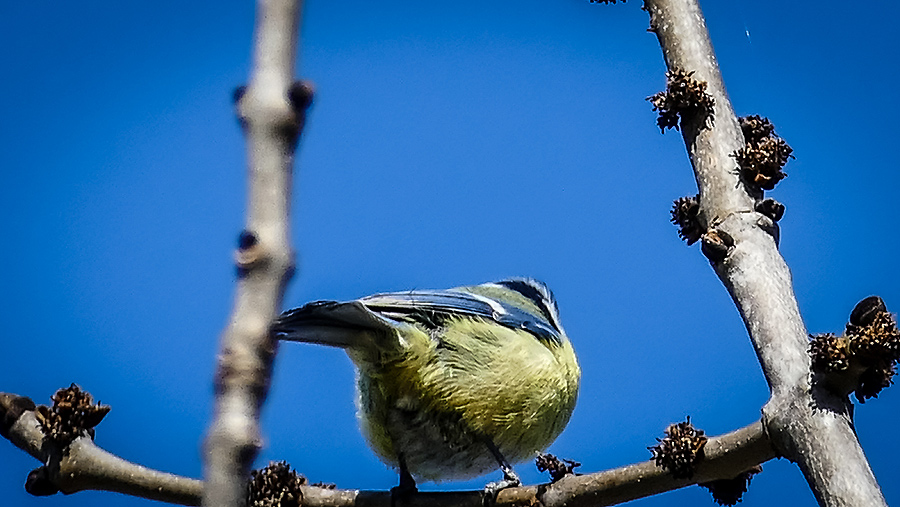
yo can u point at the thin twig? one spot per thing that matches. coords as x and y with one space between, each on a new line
807 424
271 109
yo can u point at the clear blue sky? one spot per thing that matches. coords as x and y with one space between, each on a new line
450 143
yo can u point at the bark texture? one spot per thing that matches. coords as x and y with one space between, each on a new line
808 424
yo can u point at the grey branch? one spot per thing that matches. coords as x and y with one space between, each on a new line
82 465
272 112
726 457
808 424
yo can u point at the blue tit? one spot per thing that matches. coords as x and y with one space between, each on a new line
452 383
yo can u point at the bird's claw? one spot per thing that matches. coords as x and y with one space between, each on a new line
406 488
510 480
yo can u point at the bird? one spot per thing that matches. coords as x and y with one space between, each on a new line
452 384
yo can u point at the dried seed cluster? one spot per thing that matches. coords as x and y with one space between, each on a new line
764 154
73 413
876 339
680 450
756 128
731 491
829 352
684 95
870 347
558 468
873 380
275 486
686 215
770 208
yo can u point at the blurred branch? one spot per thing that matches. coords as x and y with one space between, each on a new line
808 424
272 112
82 465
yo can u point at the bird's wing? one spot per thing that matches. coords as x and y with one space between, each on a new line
352 323
431 307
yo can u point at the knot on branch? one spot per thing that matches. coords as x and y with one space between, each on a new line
280 116
764 154
40 482
770 208
681 449
73 414
684 97
864 359
686 215
275 486
557 467
249 253
716 245
253 253
300 95
11 408
731 491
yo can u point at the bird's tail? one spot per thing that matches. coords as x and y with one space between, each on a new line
345 325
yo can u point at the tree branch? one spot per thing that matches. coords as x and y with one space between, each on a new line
272 111
808 424
726 457
82 465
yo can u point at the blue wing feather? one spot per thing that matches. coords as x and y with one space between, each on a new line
424 305
334 323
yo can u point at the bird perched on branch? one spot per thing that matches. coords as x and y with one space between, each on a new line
452 383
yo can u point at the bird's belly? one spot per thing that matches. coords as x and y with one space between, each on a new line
439 409
438 446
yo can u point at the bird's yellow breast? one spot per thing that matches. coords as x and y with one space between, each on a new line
436 401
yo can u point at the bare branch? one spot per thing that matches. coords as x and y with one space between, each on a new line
808 424
272 111
82 465
726 457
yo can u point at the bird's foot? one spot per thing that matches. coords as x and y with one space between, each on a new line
405 489
510 480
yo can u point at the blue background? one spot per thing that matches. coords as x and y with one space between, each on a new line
450 143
